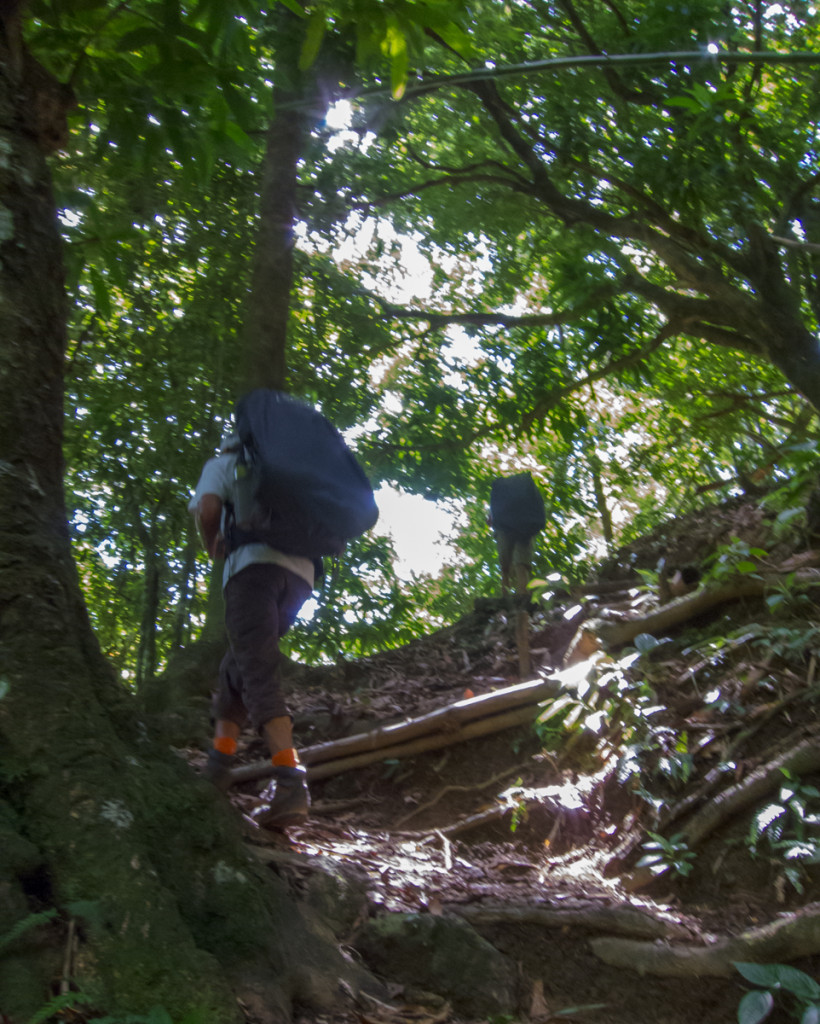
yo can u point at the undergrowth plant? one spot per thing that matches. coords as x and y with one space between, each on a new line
617 704
609 702
778 985
786 593
78 1001
789 828
737 558
794 643
25 924
672 854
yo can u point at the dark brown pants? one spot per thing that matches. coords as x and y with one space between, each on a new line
261 604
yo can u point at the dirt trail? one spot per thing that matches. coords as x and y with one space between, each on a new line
533 839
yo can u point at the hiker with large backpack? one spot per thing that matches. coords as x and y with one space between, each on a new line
283 492
517 515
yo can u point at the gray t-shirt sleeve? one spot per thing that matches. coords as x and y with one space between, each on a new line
216 478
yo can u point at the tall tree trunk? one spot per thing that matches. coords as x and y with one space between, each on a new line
266 325
125 838
298 107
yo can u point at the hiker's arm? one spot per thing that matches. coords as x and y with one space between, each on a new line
209 519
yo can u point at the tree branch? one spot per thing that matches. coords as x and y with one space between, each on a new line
439 320
515 182
459 171
613 366
615 81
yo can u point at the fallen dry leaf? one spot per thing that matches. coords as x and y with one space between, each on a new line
539 1011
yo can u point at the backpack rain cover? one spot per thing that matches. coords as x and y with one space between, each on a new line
309 495
517 507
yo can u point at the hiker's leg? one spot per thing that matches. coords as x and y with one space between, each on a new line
522 577
522 554
227 707
522 557
505 543
291 595
225 729
280 595
262 602
279 735
229 713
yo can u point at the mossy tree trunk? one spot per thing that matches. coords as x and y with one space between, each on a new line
96 819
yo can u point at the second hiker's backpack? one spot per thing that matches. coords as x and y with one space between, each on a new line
299 488
517 507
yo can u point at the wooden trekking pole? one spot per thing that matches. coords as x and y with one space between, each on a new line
522 621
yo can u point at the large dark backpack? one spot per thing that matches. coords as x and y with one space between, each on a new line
517 507
299 488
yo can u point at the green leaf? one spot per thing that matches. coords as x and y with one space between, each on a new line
32 921
758 974
398 74
754 1007
60 1002
798 983
686 102
317 26
457 40
140 38
650 860
645 642
746 567
781 976
811 1015
555 707
159 1015
240 137
101 296
245 112
89 910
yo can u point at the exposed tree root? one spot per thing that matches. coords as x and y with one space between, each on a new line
490 816
616 920
458 789
716 775
805 757
788 938
723 806
595 633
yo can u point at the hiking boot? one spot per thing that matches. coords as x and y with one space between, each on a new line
285 801
218 769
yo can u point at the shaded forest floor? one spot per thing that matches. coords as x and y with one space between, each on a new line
534 834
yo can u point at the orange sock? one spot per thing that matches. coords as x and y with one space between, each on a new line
285 758
225 744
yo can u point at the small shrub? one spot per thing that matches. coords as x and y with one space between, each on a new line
795 991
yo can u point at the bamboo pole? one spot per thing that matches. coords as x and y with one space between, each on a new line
446 719
456 723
